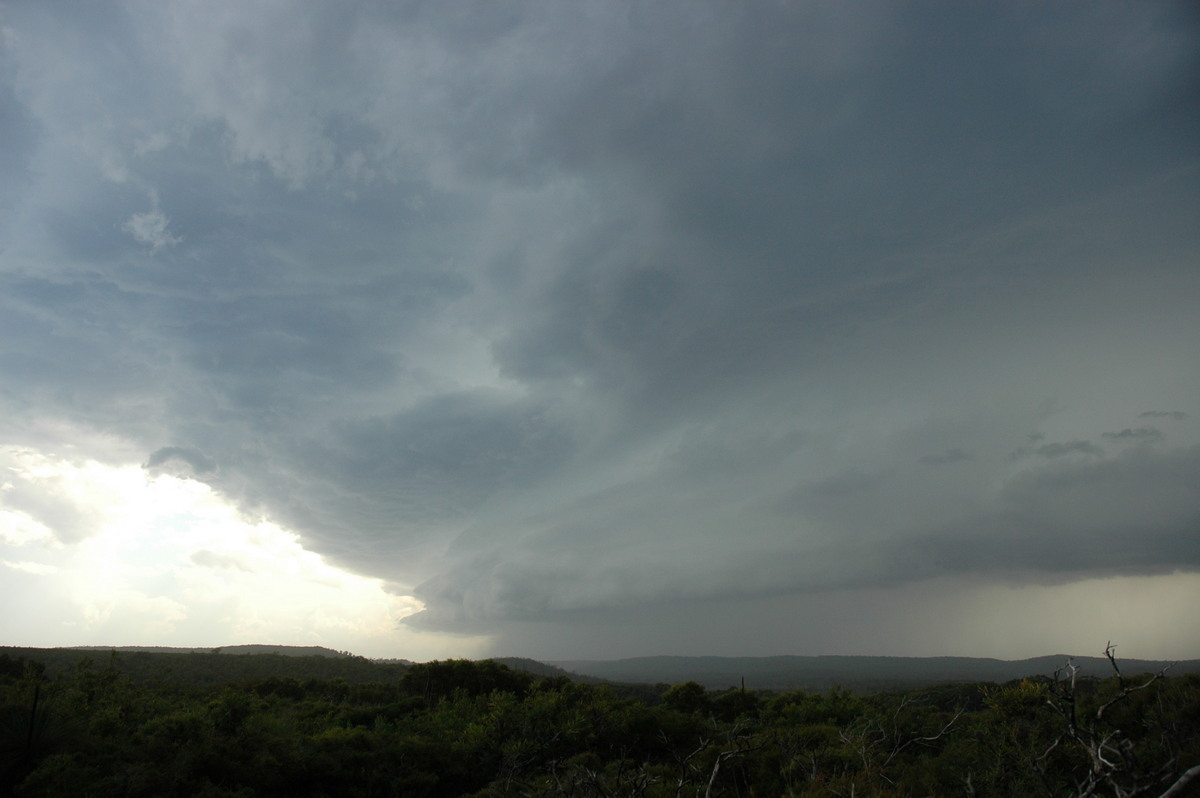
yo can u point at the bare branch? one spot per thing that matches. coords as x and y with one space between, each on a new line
1182 782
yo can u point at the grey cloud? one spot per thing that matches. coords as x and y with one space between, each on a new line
286 351
1135 513
1051 450
847 483
20 136
460 448
1139 434
195 460
955 455
607 320
547 310
380 493
728 451
1056 449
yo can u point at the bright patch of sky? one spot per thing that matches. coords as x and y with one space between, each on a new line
164 559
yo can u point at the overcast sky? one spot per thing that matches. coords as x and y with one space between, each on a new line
600 329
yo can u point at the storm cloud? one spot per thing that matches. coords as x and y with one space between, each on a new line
543 311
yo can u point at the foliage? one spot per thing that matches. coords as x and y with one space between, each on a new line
457 728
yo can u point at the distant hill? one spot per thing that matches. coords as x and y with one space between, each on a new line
213 666
532 666
864 673
628 676
544 669
287 651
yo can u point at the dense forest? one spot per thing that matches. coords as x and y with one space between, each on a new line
143 724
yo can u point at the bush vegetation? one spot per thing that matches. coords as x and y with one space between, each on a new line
110 725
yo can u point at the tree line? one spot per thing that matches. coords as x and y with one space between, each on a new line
464 728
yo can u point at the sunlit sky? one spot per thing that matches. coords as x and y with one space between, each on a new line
601 329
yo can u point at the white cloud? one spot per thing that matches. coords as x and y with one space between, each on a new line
150 228
154 572
35 568
19 529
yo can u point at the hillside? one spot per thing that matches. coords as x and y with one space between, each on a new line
545 669
861 673
286 651
212 666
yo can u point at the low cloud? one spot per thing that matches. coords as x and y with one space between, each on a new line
1132 514
1141 434
180 460
1051 450
1174 415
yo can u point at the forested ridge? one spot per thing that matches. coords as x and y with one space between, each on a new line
95 723
857 672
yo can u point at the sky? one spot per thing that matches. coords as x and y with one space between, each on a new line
601 329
